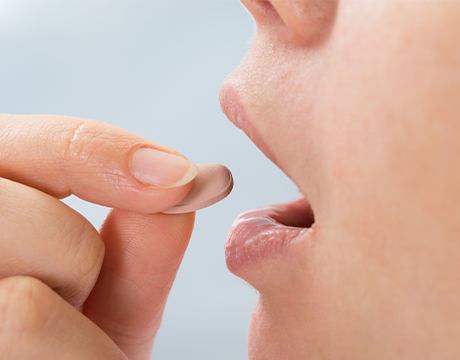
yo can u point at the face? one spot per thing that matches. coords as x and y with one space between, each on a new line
357 101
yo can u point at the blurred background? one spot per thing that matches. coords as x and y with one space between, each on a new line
154 68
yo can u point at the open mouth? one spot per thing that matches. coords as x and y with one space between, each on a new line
260 234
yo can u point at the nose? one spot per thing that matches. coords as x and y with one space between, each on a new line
307 21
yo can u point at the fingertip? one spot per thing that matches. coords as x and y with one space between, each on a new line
147 199
143 253
91 160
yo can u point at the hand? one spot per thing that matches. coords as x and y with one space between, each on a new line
66 290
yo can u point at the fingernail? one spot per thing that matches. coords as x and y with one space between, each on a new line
156 167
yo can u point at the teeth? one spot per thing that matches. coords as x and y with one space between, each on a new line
258 219
255 211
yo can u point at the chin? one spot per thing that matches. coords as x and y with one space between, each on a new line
271 337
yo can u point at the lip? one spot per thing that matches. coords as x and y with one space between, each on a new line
260 234
236 112
257 235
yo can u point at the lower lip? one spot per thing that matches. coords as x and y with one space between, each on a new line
258 235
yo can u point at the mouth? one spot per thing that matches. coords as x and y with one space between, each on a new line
261 234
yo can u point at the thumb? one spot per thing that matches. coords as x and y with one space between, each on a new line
143 253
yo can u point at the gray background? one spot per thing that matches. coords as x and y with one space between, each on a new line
152 67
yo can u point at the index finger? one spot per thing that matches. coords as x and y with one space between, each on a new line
94 161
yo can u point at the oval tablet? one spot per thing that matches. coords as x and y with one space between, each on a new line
212 184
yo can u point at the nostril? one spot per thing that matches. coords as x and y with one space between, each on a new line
309 21
306 22
263 11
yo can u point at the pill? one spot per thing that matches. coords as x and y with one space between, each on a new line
212 184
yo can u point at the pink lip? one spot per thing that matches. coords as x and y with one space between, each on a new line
236 112
260 234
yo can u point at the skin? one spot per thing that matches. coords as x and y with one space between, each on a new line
68 291
367 94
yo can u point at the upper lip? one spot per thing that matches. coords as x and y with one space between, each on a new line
233 106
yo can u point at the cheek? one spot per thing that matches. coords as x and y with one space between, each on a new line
386 89
390 146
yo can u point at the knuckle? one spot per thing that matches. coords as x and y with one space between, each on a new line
25 304
80 139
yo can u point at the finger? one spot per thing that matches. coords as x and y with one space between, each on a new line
142 258
92 160
35 323
42 237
